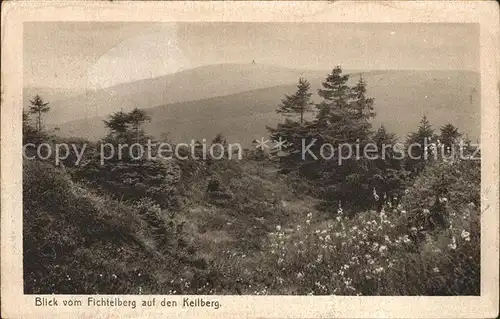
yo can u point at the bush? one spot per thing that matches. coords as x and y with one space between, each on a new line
133 180
442 189
166 231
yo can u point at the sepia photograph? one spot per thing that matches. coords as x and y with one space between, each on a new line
200 158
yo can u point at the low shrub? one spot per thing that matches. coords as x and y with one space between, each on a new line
133 180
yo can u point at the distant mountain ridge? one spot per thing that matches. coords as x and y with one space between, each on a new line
187 85
401 98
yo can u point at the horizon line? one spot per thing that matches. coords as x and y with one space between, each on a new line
347 70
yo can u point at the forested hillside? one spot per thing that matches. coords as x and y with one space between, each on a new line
273 220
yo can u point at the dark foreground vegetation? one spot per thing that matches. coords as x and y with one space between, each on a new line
270 223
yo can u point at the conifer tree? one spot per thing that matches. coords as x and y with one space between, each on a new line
344 119
292 132
388 175
126 127
118 125
299 103
417 146
383 139
136 118
38 107
362 107
449 136
335 94
345 112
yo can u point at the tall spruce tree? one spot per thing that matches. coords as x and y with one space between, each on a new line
38 107
449 136
335 94
362 107
297 104
345 112
291 132
344 119
418 146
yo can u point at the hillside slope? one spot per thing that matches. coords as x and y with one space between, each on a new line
81 242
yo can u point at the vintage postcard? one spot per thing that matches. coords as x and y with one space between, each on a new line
250 159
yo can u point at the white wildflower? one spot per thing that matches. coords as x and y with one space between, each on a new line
465 235
406 239
453 244
378 270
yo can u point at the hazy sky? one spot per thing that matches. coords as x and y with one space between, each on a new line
89 55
